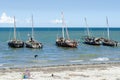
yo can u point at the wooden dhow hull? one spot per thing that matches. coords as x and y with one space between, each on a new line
92 41
16 44
107 42
34 45
66 43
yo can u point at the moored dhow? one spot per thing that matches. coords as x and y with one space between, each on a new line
91 40
65 42
14 43
108 41
32 43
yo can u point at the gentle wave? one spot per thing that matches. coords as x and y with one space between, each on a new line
76 61
100 59
1 65
38 61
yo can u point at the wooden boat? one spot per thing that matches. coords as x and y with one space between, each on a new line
14 43
31 42
91 40
65 42
108 42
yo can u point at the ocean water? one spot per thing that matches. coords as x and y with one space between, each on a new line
50 54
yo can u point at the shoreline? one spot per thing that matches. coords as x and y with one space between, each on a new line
96 65
106 71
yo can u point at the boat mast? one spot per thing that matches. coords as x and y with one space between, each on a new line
88 33
67 32
63 25
32 28
14 29
108 32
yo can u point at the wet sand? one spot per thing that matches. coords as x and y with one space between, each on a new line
108 71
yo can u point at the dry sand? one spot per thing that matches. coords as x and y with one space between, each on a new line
69 72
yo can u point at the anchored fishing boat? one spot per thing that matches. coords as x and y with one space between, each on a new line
91 40
65 42
108 42
31 42
15 43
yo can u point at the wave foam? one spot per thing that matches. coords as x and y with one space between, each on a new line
100 59
76 61
1 65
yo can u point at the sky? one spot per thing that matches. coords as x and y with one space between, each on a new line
47 13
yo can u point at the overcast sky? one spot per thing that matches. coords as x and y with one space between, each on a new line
47 13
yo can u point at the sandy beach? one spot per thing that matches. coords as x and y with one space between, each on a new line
67 72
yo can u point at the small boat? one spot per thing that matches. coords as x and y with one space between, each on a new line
31 42
14 43
108 42
65 42
91 40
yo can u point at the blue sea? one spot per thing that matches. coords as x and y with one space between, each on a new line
50 54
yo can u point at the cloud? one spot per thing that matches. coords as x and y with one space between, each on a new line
6 19
56 21
28 20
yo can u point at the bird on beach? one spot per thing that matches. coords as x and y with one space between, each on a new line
52 75
35 56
